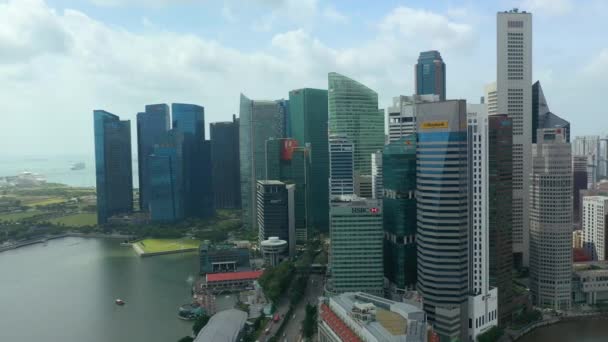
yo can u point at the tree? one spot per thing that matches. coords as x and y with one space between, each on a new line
491 335
186 339
199 324
310 321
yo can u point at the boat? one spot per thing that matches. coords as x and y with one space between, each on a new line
125 243
77 166
119 301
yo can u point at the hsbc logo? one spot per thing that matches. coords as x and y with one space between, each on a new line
365 210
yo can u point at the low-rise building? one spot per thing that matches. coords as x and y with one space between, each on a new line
224 326
228 282
357 316
590 283
223 258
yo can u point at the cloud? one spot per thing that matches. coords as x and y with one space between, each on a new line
334 15
598 66
228 14
549 7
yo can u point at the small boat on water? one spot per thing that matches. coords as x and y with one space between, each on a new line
77 166
120 302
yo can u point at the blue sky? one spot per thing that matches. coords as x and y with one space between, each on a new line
61 59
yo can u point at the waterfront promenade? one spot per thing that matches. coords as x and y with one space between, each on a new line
69 234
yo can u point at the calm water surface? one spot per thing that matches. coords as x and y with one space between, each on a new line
574 331
65 291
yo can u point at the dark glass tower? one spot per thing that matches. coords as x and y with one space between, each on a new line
500 220
113 167
166 197
308 122
225 160
151 128
542 117
430 74
189 120
399 204
274 211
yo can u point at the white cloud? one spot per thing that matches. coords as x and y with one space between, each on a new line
598 66
550 7
334 15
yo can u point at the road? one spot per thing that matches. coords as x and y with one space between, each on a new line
282 309
314 290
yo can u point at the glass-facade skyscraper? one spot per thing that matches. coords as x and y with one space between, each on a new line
341 166
152 125
113 167
166 198
308 122
224 138
259 121
430 74
399 205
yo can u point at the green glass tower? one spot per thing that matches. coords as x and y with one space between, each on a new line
399 204
353 113
308 125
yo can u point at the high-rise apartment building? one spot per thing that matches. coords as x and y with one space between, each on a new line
399 218
355 254
275 212
514 98
551 220
353 113
579 182
113 167
377 186
430 74
442 235
259 121
151 128
308 122
595 227
483 299
402 114
341 166
166 178
224 138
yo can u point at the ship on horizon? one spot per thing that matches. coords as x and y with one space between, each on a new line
77 166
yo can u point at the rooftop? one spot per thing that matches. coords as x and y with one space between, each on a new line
223 326
246 275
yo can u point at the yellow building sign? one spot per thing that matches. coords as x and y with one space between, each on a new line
434 124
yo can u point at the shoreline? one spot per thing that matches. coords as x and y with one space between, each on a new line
74 234
143 254
579 317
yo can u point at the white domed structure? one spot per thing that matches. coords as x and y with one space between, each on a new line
273 250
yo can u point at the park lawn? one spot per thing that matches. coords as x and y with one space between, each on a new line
19 216
167 245
76 220
44 201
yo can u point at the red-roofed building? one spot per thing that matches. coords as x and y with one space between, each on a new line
337 326
231 281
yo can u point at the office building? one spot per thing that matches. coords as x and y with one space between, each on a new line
589 286
514 98
274 250
595 227
430 74
491 98
442 235
259 121
308 122
151 128
275 212
579 182
355 253
551 220
341 166
399 218
357 316
402 114
377 186
219 258
603 158
166 178
588 146
189 119
288 163
224 138
113 167
363 186
542 117
483 299
500 174
354 114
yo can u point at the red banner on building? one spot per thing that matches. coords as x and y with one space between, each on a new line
287 149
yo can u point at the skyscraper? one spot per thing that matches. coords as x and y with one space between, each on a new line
224 138
514 98
442 236
377 186
354 114
151 127
588 146
579 182
430 74
341 166
595 227
166 178
113 168
542 117
308 122
551 220
259 121
275 212
399 218
355 255
402 114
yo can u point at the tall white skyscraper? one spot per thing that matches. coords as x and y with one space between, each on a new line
514 98
551 220
402 114
377 184
341 166
490 97
595 224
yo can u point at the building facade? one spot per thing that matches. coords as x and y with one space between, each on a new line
588 146
595 226
259 121
430 74
223 258
224 138
355 254
579 182
341 166
275 212
551 221
308 122
151 128
113 167
166 179
442 235
402 114
377 183
399 217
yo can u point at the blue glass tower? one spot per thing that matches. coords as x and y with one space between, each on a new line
151 128
166 197
113 169
430 74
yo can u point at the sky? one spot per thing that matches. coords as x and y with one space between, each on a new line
61 59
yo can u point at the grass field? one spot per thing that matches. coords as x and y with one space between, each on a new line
45 201
19 216
167 245
76 220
